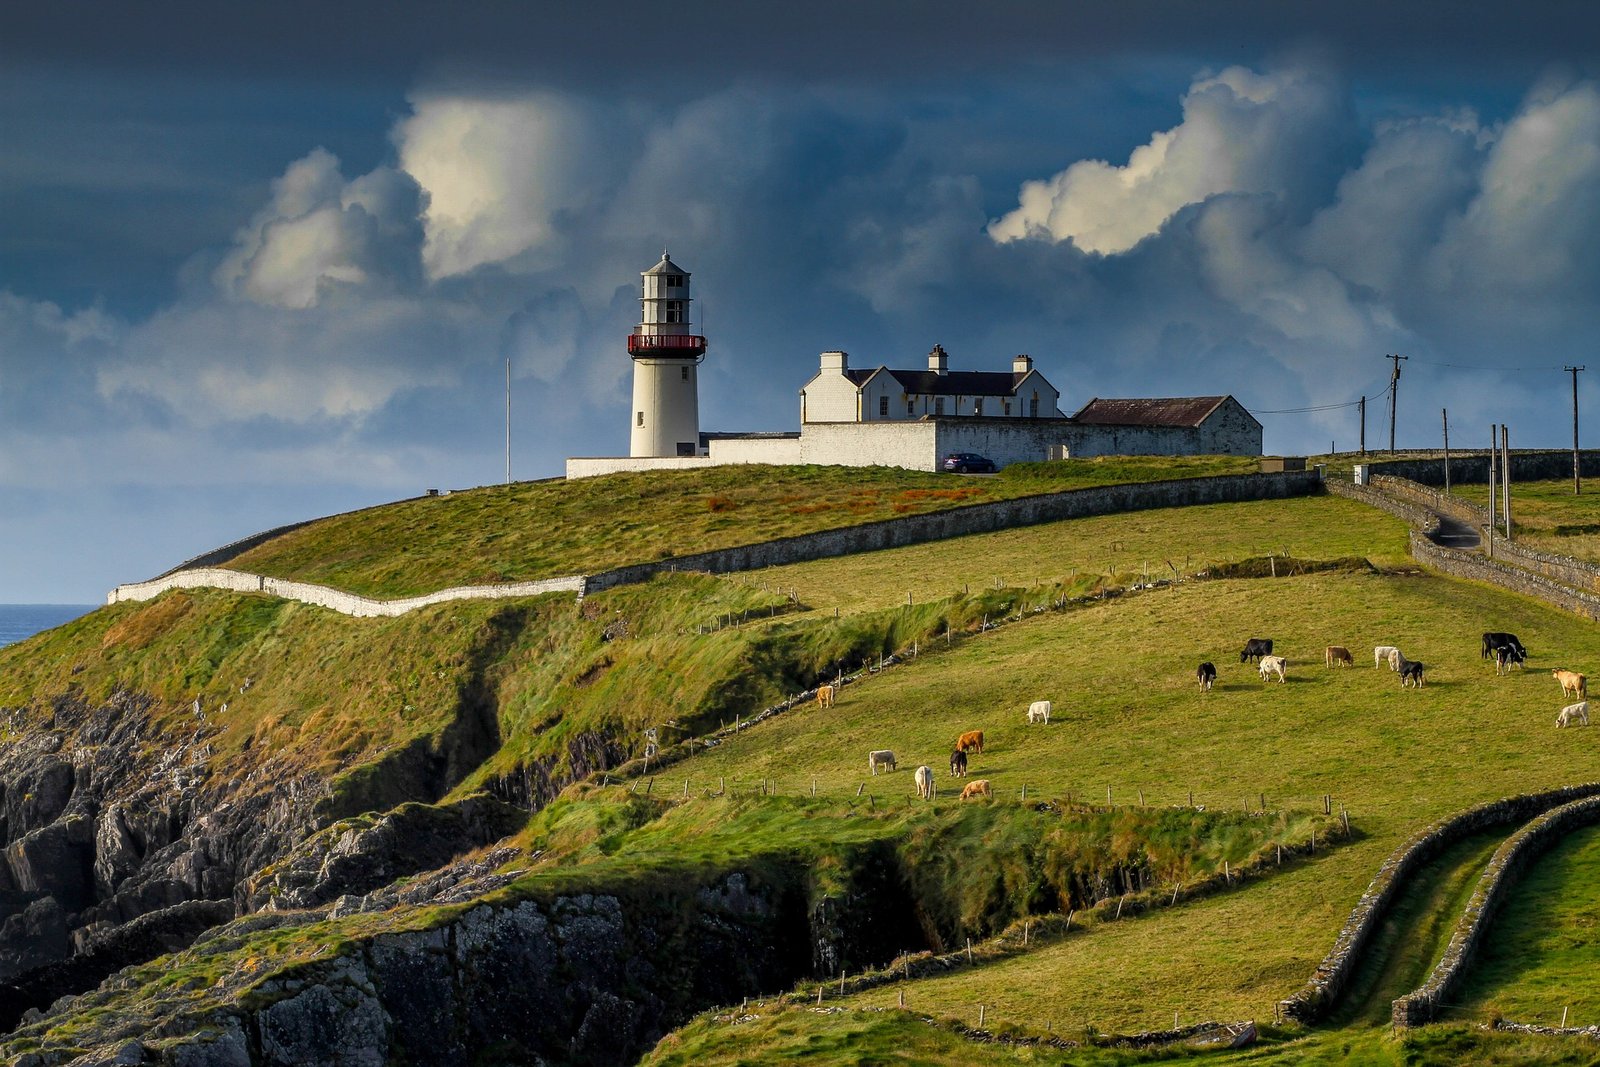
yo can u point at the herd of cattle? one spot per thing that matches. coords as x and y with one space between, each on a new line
1504 648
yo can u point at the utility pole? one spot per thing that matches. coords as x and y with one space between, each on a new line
1394 395
1577 486
1505 477
1446 450
1491 489
508 420
1363 426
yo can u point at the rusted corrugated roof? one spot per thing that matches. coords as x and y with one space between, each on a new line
1168 411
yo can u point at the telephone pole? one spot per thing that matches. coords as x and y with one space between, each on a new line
1394 394
508 420
1363 426
1577 486
1446 413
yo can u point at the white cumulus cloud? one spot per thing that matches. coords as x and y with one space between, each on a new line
1242 132
496 173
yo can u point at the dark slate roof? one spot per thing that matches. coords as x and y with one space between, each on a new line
1169 411
955 383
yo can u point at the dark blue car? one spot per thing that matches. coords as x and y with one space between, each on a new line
968 463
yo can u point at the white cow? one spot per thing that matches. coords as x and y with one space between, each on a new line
1572 713
1384 654
880 757
924 776
1269 664
1039 711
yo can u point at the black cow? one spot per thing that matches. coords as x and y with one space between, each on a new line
1207 673
1255 648
1410 671
958 764
1492 641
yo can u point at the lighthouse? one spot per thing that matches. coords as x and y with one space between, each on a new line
666 361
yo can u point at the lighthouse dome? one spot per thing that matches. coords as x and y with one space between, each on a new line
666 266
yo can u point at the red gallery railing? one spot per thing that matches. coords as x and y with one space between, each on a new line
686 343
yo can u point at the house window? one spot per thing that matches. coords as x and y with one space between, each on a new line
911 406
977 406
1033 406
1007 405
685 373
640 418
938 405
883 407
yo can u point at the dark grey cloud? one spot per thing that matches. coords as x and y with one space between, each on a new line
279 273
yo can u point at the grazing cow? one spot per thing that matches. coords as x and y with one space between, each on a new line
1039 711
971 741
1504 657
1207 673
1255 648
1337 654
880 757
1410 671
1572 683
1572 713
958 764
1494 640
1383 654
1507 654
1269 664
924 778
825 696
978 788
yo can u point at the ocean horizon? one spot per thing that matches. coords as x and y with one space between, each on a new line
18 622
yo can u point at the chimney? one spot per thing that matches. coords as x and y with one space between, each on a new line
939 360
1021 364
836 361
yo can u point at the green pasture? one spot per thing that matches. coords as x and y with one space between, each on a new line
1543 949
1547 515
532 530
1129 717
1117 549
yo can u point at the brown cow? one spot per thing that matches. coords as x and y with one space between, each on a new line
978 788
971 741
1572 683
1337 654
825 695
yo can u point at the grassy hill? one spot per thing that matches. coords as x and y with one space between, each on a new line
561 690
532 530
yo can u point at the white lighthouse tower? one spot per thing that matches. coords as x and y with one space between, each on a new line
666 361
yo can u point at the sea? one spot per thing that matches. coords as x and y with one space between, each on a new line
18 622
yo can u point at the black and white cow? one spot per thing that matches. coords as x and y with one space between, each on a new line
1255 648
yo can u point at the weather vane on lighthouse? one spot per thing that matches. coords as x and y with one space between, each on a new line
666 360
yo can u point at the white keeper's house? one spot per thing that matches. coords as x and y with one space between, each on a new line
880 416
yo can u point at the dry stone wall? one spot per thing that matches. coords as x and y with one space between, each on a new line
976 518
1476 567
1507 865
1327 983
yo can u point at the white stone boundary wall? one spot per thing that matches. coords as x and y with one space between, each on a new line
1326 984
335 599
1510 860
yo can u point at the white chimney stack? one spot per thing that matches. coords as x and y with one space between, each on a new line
1021 364
939 360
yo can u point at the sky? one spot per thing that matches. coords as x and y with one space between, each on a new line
260 262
